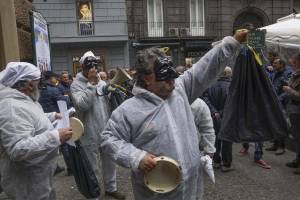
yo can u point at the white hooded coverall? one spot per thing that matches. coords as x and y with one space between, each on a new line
93 109
28 147
147 123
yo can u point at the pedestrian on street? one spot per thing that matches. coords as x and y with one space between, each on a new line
268 67
93 109
279 78
293 109
205 127
64 83
28 143
49 96
158 120
50 93
215 97
258 154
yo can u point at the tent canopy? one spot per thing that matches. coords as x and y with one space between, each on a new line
286 32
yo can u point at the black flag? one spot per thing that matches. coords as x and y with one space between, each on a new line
252 111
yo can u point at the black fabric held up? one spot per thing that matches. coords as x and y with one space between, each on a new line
84 175
252 112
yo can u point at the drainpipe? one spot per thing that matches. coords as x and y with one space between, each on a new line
272 14
291 5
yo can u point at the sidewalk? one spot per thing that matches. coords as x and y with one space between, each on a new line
246 182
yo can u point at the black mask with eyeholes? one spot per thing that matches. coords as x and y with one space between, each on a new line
90 62
164 69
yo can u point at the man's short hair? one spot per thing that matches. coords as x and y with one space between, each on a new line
49 74
64 72
280 61
142 63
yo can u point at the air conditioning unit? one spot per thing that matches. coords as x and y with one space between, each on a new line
173 32
185 32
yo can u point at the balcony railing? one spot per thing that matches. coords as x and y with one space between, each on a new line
86 28
173 29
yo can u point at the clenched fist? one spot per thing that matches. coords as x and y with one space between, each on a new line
241 35
65 134
147 163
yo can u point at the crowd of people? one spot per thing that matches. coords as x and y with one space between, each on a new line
172 111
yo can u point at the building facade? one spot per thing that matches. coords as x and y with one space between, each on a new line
15 31
77 26
188 27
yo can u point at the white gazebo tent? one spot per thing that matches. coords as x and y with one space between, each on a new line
284 36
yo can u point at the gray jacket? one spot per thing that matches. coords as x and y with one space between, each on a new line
28 147
92 108
147 123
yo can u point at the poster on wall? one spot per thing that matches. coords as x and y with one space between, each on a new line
85 11
85 17
41 45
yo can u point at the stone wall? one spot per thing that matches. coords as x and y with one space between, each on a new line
22 9
220 15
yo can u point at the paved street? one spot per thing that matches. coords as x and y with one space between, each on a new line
246 182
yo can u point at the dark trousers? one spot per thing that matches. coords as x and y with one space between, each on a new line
65 152
223 148
258 152
223 152
295 130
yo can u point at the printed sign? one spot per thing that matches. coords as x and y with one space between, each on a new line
257 38
41 42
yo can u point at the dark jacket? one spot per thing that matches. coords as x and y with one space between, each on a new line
293 106
215 97
64 88
49 96
269 73
278 78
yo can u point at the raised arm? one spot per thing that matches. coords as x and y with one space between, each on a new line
205 71
83 97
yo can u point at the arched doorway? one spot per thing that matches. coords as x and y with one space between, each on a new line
251 15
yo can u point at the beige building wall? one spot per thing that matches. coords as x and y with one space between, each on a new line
9 46
15 31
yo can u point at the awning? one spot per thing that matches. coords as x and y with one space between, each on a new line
286 32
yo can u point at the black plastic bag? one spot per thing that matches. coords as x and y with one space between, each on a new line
118 96
252 111
83 173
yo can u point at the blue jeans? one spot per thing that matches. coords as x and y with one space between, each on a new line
258 153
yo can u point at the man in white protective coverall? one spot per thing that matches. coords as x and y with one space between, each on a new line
158 120
205 127
93 109
28 142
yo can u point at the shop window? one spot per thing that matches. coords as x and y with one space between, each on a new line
197 21
155 18
85 17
